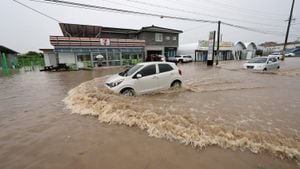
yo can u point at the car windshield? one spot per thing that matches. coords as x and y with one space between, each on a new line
130 71
177 56
258 60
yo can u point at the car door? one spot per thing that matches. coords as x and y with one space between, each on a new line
275 63
148 81
165 75
269 65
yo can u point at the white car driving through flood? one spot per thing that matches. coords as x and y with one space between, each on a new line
262 64
144 78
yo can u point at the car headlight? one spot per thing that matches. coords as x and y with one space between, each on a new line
115 83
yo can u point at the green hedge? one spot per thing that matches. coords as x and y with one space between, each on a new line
30 61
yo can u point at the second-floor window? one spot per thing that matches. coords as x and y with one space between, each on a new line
174 38
158 37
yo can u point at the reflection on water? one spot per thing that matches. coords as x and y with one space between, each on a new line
224 106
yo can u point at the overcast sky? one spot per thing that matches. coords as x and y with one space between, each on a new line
23 29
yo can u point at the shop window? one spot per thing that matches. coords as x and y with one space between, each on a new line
158 37
125 55
134 56
114 63
116 56
83 57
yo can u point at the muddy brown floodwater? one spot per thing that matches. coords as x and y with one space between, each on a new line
223 117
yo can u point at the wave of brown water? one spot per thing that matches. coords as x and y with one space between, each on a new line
91 98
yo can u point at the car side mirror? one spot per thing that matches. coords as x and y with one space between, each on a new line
268 62
138 76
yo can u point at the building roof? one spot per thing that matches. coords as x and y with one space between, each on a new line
47 50
240 43
248 44
77 30
271 44
159 29
7 50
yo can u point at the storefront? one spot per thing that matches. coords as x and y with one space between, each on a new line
97 57
225 51
89 46
81 53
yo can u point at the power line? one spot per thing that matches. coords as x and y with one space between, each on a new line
87 6
197 13
37 11
242 8
123 4
252 29
94 7
198 6
197 27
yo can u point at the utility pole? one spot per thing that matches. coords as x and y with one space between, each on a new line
218 43
288 31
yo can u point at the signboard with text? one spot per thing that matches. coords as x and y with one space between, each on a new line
104 42
211 45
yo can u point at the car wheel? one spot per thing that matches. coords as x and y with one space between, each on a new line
181 61
278 67
265 69
127 92
176 84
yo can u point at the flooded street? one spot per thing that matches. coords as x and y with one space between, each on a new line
223 117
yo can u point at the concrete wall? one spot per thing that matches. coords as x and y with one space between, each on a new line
149 37
114 35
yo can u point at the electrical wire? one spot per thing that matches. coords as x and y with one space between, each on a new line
94 7
102 8
198 13
119 3
229 4
226 10
52 18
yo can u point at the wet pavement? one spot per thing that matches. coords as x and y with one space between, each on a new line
238 118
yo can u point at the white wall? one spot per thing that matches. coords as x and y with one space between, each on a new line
68 58
50 59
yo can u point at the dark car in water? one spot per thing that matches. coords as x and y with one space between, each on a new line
296 52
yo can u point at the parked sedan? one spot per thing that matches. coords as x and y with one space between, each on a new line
181 58
279 56
262 63
296 52
144 78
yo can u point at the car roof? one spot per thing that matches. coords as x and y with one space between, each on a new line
149 63
263 57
